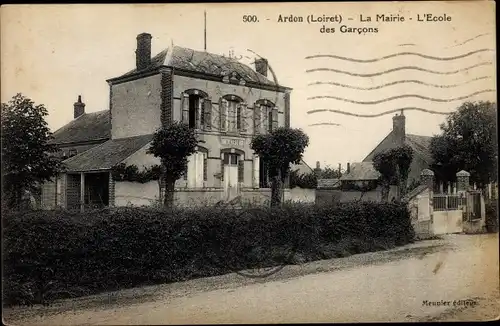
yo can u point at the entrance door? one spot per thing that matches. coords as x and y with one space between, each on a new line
231 175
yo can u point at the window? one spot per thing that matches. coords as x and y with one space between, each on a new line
231 159
205 167
72 152
264 181
196 114
267 116
234 115
269 119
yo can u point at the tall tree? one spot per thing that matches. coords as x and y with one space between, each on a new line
468 141
394 167
27 159
384 163
278 150
173 144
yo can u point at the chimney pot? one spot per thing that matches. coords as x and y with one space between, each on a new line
143 51
78 108
261 66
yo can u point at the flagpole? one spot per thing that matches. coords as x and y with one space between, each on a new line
205 32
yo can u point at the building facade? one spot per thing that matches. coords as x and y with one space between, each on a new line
225 101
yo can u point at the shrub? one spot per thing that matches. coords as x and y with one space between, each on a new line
304 181
59 254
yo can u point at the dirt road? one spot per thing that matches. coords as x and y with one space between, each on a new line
456 278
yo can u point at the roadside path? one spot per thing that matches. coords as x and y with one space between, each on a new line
381 286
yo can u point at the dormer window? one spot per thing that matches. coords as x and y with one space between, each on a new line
72 152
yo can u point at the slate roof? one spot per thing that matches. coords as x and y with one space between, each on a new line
87 127
106 155
203 62
328 183
421 145
361 171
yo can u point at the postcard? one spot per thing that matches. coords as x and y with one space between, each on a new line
209 163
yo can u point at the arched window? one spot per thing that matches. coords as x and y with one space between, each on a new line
232 113
266 118
196 109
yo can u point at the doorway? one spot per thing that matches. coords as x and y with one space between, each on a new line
230 162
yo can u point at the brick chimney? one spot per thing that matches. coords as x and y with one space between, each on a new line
143 52
348 168
261 66
398 128
78 107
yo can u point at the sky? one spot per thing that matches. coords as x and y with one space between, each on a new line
53 53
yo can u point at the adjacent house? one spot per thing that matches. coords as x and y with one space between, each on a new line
360 181
422 158
225 101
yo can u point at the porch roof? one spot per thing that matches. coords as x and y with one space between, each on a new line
106 155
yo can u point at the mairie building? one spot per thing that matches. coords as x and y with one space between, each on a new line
224 100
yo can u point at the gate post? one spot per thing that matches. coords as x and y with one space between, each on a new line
462 187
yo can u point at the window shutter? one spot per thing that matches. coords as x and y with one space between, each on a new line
222 168
185 176
275 118
256 119
207 111
243 117
200 117
185 107
241 170
223 107
205 167
238 117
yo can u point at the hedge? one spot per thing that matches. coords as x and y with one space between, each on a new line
57 254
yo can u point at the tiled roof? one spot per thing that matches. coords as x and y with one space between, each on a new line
106 155
328 183
361 171
205 63
421 146
87 127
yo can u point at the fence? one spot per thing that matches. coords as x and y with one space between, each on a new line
442 202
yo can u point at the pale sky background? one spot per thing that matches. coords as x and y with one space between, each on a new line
55 53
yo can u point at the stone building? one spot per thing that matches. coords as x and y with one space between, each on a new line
224 100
